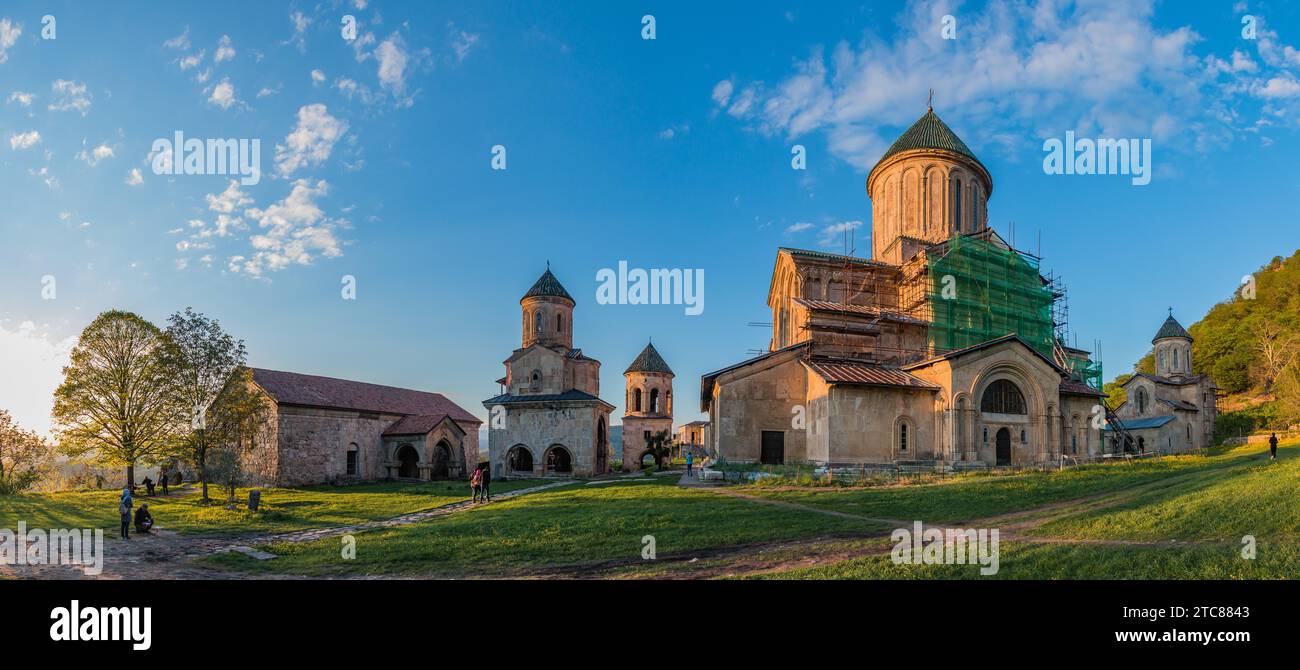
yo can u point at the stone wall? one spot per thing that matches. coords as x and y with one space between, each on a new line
313 444
539 427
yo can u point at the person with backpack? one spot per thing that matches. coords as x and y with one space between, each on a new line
485 481
476 483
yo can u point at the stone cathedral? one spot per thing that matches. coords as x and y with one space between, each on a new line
944 345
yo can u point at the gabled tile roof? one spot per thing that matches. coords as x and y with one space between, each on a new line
846 308
1179 404
418 424
292 388
570 395
839 258
858 373
1146 422
988 343
649 360
1072 387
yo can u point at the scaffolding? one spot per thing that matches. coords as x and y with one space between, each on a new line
979 291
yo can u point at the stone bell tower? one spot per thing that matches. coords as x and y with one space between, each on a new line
649 404
547 313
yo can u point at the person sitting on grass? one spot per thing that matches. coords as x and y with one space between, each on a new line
476 483
143 519
485 481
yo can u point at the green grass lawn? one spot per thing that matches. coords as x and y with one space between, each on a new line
973 496
583 524
1021 560
1253 496
281 510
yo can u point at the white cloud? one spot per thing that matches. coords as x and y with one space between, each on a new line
296 232
223 94
134 177
95 155
24 99
1284 86
311 140
70 95
833 234
225 51
798 227
1025 72
461 43
227 205
317 77
9 34
267 91
300 23
722 92
25 140
191 60
392 57
33 362
180 42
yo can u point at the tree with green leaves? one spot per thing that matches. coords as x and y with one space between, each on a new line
207 357
117 403
236 422
24 456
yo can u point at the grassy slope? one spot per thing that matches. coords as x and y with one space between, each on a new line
582 524
975 496
281 509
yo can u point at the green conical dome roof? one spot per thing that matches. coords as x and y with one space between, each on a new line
547 285
649 361
1171 328
930 132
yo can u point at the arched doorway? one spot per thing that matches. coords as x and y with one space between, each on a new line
408 462
441 466
520 459
1003 447
558 460
602 447
647 460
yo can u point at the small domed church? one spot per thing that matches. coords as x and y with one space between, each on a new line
549 419
1172 410
946 344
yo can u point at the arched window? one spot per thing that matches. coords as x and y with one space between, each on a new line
986 434
537 320
1141 399
956 205
535 382
559 323
636 400
1003 397
1160 359
902 437
1022 436
1074 444
654 401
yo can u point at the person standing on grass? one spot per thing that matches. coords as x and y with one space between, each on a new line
1272 447
162 479
476 483
486 481
124 510
690 463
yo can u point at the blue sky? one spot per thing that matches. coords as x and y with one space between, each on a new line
665 153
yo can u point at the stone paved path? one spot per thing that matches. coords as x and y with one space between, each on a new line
165 554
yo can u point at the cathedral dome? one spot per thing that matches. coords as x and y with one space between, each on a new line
1171 328
930 132
547 285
